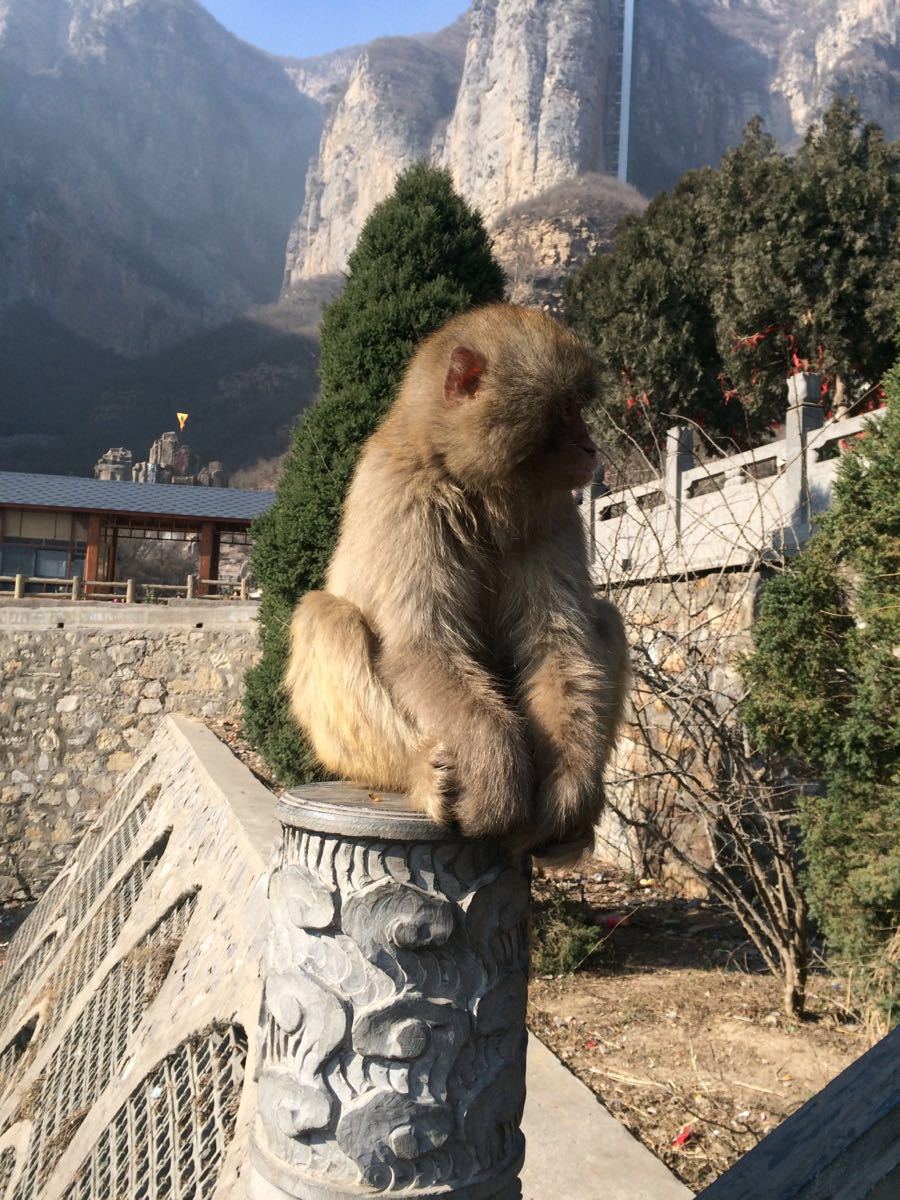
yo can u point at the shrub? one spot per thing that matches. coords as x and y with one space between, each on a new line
824 682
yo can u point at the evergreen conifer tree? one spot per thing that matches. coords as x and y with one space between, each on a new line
824 681
741 274
423 255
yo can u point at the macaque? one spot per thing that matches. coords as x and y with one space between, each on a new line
458 653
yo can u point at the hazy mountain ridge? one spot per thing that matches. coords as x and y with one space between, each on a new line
152 164
161 178
64 400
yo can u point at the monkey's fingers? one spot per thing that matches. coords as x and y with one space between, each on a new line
438 785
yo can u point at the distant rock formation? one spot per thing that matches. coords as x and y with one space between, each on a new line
169 461
173 196
152 165
541 241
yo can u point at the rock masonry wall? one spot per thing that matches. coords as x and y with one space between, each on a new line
686 636
83 688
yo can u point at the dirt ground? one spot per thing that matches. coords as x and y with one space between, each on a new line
677 1029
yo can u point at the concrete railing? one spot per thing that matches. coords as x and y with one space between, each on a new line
843 1144
727 512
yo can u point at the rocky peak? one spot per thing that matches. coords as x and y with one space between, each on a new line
540 241
398 98
535 100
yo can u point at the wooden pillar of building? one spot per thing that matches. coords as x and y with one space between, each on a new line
112 553
92 551
209 557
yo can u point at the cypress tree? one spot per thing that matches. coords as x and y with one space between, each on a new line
423 256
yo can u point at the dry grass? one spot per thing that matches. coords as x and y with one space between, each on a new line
155 960
28 1104
675 1027
63 1134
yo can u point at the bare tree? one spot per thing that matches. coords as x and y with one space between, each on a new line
682 550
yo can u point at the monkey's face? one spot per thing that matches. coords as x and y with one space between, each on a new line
569 457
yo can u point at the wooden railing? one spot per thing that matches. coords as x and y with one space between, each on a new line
124 591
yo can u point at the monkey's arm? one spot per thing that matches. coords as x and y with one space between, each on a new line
573 685
476 769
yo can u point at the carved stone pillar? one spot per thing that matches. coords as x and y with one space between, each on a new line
393 1022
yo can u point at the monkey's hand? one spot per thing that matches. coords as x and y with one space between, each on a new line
482 782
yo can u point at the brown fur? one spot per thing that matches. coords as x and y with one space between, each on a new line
459 653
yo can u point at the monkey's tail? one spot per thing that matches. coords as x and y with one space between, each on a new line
337 697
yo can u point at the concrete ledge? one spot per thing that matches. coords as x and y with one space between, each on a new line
843 1144
576 1150
85 614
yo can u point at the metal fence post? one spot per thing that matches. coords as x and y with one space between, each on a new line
393 1024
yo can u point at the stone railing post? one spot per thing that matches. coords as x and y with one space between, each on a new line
804 414
679 458
392 1040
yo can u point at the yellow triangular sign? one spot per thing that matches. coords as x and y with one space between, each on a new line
182 420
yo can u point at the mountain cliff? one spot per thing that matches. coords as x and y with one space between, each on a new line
151 166
532 99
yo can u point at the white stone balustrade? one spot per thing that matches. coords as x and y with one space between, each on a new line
728 512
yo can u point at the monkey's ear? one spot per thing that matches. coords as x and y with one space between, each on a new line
464 372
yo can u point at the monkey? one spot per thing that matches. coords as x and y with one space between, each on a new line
458 653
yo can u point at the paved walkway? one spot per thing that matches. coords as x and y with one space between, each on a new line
576 1150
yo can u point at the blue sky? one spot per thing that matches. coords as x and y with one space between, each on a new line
303 27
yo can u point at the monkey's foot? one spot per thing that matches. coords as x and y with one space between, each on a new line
563 854
437 787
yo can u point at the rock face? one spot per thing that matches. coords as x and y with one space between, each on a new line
399 95
151 164
541 241
537 100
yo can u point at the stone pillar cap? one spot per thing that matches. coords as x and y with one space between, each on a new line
350 811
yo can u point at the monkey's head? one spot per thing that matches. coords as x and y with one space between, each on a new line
502 390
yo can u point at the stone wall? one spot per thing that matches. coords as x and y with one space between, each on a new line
129 998
84 686
686 636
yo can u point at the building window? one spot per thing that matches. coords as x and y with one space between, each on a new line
52 564
17 560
